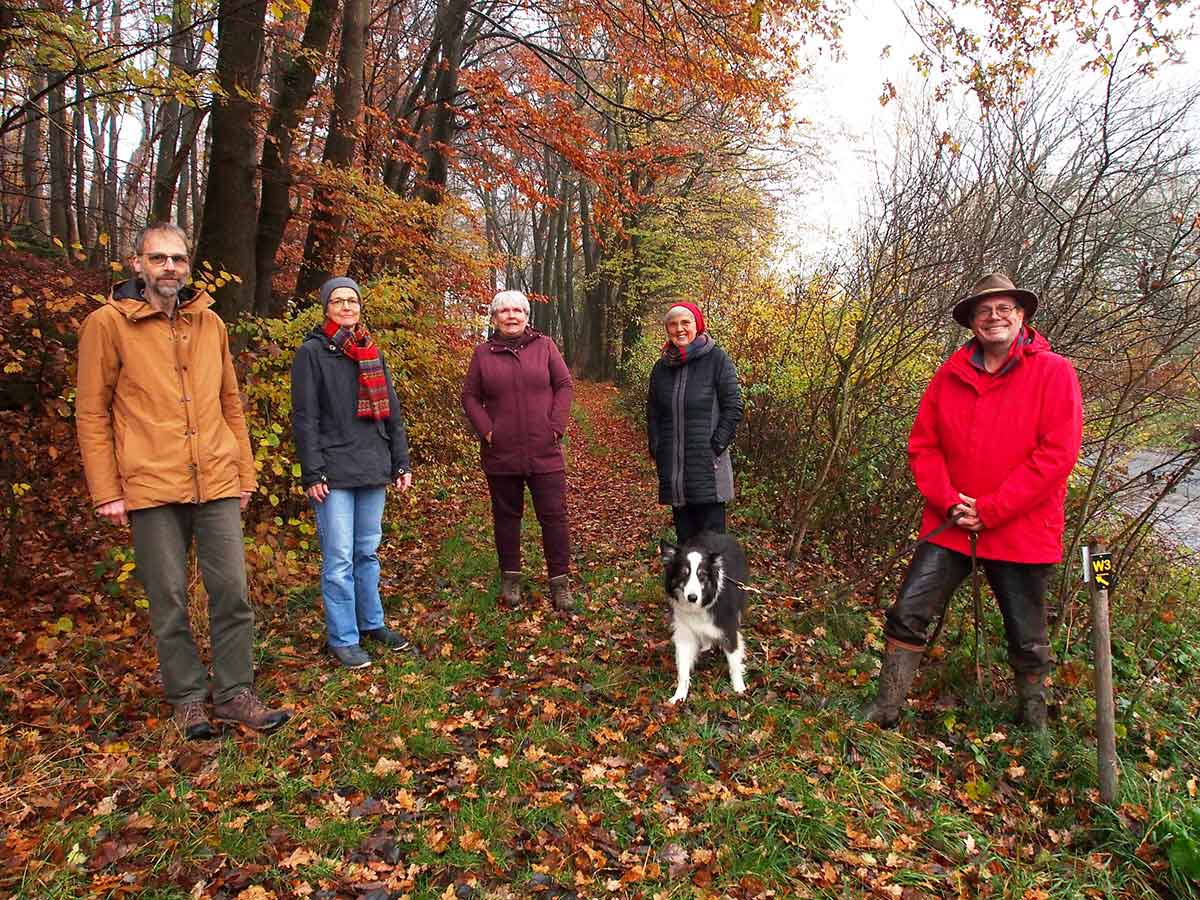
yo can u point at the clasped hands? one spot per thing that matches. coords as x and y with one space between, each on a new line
968 515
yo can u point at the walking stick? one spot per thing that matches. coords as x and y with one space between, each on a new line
978 599
1098 569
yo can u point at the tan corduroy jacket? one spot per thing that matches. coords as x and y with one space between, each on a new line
157 407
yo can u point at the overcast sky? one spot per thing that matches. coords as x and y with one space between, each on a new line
854 132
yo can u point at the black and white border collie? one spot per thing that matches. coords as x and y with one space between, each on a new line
703 580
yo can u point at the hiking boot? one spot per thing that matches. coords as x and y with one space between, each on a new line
1031 702
899 667
388 638
192 722
510 588
351 657
560 593
243 708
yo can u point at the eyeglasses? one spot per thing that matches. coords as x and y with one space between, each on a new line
1003 310
345 301
160 259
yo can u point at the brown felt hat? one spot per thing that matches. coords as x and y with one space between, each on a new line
988 286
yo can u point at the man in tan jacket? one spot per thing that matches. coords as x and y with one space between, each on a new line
165 450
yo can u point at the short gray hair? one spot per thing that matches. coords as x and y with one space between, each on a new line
504 298
139 242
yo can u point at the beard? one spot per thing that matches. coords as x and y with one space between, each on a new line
168 291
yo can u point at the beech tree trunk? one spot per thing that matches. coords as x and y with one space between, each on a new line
325 225
79 167
166 172
296 87
108 196
560 310
566 299
31 161
591 351
181 194
100 253
230 209
452 20
62 225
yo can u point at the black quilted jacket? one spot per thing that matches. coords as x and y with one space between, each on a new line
692 413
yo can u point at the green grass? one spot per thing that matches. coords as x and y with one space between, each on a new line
523 748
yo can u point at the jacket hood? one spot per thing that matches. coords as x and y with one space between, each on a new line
960 362
128 297
317 333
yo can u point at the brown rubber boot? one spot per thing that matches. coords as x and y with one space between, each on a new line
560 593
510 588
1031 701
899 667
243 708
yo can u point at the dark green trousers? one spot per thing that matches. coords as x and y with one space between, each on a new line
162 536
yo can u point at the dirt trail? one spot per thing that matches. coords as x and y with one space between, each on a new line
612 497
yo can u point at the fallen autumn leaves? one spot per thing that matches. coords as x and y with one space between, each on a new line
526 754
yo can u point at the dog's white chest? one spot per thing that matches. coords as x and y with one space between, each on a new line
696 622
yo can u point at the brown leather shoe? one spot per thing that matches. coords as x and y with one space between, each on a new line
560 593
243 708
192 722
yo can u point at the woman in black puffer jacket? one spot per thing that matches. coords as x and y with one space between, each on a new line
691 416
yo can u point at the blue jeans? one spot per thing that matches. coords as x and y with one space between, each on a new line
349 525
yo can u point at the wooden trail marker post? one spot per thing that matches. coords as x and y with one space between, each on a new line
1098 570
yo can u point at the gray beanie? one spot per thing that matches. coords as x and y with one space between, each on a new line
333 284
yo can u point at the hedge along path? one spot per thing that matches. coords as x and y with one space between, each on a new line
527 753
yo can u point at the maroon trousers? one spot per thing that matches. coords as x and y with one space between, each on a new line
549 491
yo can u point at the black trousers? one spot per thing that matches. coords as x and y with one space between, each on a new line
1020 589
694 518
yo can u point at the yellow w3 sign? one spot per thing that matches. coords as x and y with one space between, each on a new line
1102 569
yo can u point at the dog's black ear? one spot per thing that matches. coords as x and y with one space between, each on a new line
716 563
667 552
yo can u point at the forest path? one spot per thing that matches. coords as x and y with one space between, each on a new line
525 752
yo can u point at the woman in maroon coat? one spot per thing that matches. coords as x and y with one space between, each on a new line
518 396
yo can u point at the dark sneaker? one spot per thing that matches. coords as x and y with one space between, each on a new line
388 638
351 657
192 722
243 708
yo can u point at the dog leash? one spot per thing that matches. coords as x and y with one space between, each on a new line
850 588
976 592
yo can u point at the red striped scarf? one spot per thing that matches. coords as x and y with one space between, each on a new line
357 344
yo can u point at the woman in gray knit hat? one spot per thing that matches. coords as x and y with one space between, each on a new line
350 436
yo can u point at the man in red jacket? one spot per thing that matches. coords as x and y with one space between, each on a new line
996 436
